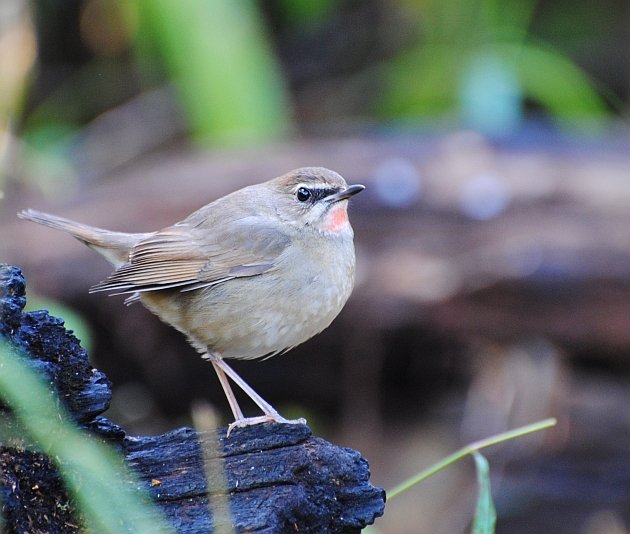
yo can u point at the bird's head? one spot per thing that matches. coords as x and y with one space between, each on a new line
314 197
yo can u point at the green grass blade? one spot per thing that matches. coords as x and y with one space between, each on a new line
485 514
469 449
108 497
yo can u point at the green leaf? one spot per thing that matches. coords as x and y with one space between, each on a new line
554 81
485 514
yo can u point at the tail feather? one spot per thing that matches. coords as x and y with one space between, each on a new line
114 246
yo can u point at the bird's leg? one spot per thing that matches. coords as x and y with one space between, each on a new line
222 369
227 389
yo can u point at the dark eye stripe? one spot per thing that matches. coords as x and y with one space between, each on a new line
314 194
323 193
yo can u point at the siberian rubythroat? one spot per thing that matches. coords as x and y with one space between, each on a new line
249 275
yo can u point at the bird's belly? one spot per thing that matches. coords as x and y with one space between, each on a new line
248 318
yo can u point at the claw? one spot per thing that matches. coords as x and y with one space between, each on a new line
267 418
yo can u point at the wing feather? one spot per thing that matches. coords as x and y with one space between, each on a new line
191 257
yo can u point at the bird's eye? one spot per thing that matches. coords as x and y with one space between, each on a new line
303 194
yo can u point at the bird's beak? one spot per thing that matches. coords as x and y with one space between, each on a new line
346 193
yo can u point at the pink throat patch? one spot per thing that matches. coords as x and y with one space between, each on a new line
336 219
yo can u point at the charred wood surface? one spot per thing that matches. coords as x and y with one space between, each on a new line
264 478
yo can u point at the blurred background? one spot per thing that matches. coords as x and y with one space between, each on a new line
493 238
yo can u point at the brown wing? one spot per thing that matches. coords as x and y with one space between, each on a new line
190 257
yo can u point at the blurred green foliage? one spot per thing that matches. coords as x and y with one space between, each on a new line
47 162
109 499
233 65
477 62
308 12
218 56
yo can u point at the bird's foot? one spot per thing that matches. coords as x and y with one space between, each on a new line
267 418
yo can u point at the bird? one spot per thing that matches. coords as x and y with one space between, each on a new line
249 275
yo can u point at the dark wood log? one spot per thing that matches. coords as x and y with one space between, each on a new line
264 478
